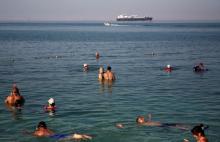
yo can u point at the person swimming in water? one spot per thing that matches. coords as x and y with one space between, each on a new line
42 130
85 67
97 55
15 99
101 74
168 68
199 68
199 134
140 120
109 75
51 105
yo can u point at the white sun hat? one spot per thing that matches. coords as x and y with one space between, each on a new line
51 101
85 65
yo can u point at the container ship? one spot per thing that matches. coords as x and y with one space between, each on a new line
133 18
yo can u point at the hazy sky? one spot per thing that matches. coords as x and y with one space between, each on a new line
108 9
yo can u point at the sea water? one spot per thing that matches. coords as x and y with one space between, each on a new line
46 60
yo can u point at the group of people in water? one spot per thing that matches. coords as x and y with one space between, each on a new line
15 100
199 68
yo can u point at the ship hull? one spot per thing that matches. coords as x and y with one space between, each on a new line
135 19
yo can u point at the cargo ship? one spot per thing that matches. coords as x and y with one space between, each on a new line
133 18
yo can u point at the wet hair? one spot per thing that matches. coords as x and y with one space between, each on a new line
109 68
42 124
53 104
139 117
15 90
197 69
198 129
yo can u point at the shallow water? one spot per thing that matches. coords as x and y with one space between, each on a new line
45 60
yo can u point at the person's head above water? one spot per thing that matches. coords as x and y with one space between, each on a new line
97 55
42 124
109 68
15 89
198 130
85 66
51 102
198 133
140 119
101 70
168 66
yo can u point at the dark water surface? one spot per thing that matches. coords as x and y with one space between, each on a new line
45 60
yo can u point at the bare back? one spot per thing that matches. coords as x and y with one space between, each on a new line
109 76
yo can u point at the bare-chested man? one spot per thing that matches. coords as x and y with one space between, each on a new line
109 75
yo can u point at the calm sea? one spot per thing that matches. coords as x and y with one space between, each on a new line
45 60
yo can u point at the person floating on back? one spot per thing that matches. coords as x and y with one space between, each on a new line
15 99
109 75
140 120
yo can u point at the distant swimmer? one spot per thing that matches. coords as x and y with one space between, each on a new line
51 105
109 75
140 120
85 67
42 130
119 125
168 68
198 133
97 55
101 73
199 68
15 99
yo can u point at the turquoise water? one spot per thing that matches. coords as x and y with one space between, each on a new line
45 60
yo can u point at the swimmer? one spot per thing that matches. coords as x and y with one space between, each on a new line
101 73
85 67
42 130
119 125
140 120
15 99
109 75
198 134
51 105
97 55
168 68
199 68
